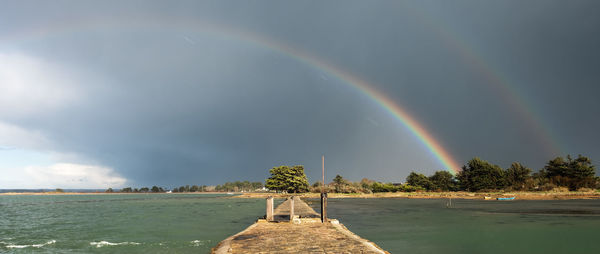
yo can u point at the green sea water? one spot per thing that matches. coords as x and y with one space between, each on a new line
194 223
472 226
136 223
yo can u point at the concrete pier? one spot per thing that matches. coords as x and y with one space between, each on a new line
301 233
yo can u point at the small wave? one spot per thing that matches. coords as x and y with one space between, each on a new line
15 246
105 243
197 243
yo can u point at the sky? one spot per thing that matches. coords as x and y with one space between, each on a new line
98 94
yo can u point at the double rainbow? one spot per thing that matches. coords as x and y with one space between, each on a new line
393 108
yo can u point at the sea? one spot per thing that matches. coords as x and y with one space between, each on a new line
195 223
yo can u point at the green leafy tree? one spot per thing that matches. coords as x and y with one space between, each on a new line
572 173
419 180
144 189
278 179
366 184
155 189
481 175
443 180
287 179
127 190
338 179
317 184
256 185
109 190
383 187
517 176
339 184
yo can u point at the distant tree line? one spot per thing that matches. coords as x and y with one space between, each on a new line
480 175
477 175
237 186
570 173
154 189
193 188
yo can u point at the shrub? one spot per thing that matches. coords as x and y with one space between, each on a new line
560 189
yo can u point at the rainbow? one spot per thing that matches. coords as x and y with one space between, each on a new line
401 115
497 81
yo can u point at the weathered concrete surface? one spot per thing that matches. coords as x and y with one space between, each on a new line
301 209
310 236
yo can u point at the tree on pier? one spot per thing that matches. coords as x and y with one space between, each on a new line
287 179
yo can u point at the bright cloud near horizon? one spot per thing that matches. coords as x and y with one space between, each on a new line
111 94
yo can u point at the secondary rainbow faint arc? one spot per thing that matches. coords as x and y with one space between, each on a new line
499 82
417 129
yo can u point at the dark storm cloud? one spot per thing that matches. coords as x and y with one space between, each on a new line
174 105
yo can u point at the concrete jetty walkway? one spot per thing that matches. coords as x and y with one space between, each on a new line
305 235
301 209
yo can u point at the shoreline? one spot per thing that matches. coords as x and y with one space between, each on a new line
442 195
407 195
99 193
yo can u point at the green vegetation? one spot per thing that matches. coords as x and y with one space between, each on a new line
443 181
420 180
287 179
480 175
476 175
236 186
571 173
518 177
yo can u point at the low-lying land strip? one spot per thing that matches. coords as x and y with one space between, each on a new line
457 195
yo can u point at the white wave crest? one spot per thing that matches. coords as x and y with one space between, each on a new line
15 246
197 243
105 243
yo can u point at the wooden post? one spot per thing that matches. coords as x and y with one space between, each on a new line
270 209
323 196
323 185
323 207
292 209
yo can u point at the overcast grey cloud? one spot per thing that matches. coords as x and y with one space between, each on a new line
112 93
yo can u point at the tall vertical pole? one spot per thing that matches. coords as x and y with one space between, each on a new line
323 197
323 186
